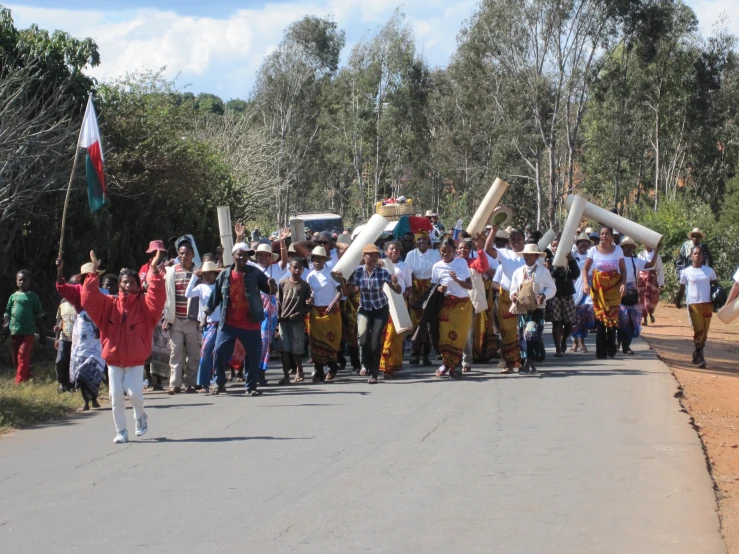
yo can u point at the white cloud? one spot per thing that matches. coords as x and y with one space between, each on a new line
709 12
222 55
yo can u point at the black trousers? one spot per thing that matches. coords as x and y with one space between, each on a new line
63 358
605 340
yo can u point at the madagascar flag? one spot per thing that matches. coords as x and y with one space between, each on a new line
90 139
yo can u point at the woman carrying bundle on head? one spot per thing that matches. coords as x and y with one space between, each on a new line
609 285
453 276
630 313
421 262
391 358
695 287
531 286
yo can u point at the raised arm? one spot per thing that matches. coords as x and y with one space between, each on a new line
156 294
97 305
655 258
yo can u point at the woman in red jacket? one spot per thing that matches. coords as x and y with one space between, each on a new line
126 326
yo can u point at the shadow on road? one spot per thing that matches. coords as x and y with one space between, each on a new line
223 439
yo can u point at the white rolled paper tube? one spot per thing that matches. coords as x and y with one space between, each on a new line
489 203
227 240
297 230
477 294
396 303
353 255
546 239
576 211
625 226
729 312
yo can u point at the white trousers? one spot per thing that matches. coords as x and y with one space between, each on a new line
130 379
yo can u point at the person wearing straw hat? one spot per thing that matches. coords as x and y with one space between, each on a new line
325 317
585 319
274 266
609 285
629 326
421 261
533 280
374 311
684 257
202 291
696 281
87 366
237 292
126 326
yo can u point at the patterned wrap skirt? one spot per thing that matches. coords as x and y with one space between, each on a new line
325 334
606 295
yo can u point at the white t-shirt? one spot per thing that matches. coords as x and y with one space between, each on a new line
404 274
638 264
323 286
492 262
440 275
606 262
509 262
422 264
202 292
273 271
697 281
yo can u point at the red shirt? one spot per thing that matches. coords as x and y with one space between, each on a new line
237 314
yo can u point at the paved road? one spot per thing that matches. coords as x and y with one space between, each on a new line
587 457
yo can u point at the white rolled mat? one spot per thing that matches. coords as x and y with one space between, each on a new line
477 295
546 239
353 255
227 239
625 226
576 211
297 230
729 312
483 213
398 309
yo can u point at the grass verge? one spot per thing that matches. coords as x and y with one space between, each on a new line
36 401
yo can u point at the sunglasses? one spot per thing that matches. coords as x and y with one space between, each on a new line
324 242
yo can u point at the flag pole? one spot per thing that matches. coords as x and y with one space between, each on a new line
69 188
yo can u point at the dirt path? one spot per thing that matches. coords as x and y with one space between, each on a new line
711 396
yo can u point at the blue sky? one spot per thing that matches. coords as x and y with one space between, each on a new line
217 46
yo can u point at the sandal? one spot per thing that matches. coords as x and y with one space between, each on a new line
284 381
507 371
584 348
363 371
254 393
204 390
299 378
442 371
466 369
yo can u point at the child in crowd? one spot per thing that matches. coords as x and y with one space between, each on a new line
65 318
23 317
294 300
110 284
208 324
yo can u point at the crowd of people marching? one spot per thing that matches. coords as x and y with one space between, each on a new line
193 324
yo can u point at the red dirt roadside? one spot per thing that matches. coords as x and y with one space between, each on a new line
711 397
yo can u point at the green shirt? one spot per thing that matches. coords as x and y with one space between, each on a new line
23 309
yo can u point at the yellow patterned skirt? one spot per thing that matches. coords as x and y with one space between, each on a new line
325 335
455 318
391 358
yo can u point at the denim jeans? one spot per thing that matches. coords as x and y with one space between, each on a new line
370 326
252 343
205 370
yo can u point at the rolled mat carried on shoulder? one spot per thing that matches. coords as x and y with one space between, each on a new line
353 255
398 309
483 213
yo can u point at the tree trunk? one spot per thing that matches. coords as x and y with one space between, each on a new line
552 186
539 191
656 159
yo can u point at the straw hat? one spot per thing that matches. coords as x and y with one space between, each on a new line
370 249
583 236
89 268
319 251
264 247
500 215
430 213
627 241
532 249
696 231
590 230
509 229
344 239
501 234
291 249
209 266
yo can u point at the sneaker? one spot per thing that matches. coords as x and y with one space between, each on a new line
121 437
142 425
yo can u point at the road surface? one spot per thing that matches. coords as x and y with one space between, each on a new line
589 456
